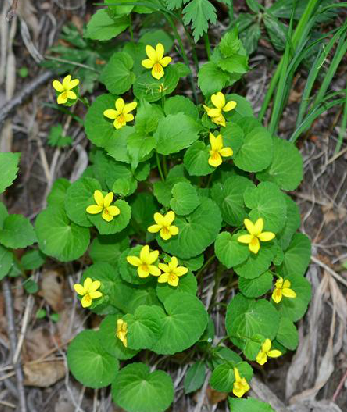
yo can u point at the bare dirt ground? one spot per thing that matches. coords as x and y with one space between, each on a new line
314 379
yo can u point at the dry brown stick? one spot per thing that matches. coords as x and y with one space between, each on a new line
338 389
13 341
12 11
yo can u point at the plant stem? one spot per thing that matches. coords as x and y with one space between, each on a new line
164 166
131 28
157 158
208 46
217 280
206 264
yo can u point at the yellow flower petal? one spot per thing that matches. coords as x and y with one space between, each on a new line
99 198
130 107
74 83
164 268
79 289
218 100
66 81
86 301
180 271
215 159
279 283
163 278
71 95
266 345
216 142
134 260
266 236
128 117
289 293
277 295
154 270
261 358
169 218
94 209
143 272
286 283
258 227
94 286
119 105
173 230
154 228
147 63
110 114
153 256
151 53
254 246
95 295
119 122
165 61
113 211
159 49
58 86
226 152
214 112
157 71
87 283
220 120
172 280
62 98
108 199
249 226
106 215
229 106
159 219
165 234
246 239
274 353
144 254
173 263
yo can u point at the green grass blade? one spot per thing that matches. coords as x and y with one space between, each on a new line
343 128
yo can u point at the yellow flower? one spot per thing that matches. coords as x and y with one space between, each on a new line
240 385
164 225
122 331
121 115
103 204
266 352
216 114
171 272
156 61
256 235
218 150
65 89
282 287
89 291
145 262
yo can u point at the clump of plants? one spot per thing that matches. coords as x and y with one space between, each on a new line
177 188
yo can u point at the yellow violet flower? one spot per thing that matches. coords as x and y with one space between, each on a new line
65 89
164 225
121 115
122 331
145 262
171 272
89 291
103 204
216 114
266 352
218 150
256 235
240 385
156 60
282 288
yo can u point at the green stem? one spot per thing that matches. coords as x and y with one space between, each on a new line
84 101
209 180
296 37
131 28
206 264
217 280
164 166
157 158
207 46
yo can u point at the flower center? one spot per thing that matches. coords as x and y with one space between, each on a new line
121 118
64 94
88 298
166 231
157 67
254 241
145 267
214 154
172 276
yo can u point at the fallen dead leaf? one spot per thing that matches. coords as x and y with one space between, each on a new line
52 289
215 397
43 374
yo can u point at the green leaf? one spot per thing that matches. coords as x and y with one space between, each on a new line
221 354
108 248
211 79
8 169
195 231
109 341
223 376
257 263
242 114
195 377
187 284
59 237
249 37
233 136
196 159
286 169
31 286
56 137
117 224
162 189
229 196
153 37
253 5
235 64
57 195
229 251
248 405
287 334
176 132
118 9
152 90
276 30
292 223
254 288
33 259
117 75
89 363
98 128
78 198
144 327
3 214
103 27
128 272
17 232
117 146
247 317
266 201
184 198
183 325
143 295
256 151
181 104
200 13
297 256
120 179
294 309
6 261
140 147
135 389
230 43
143 208
147 118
